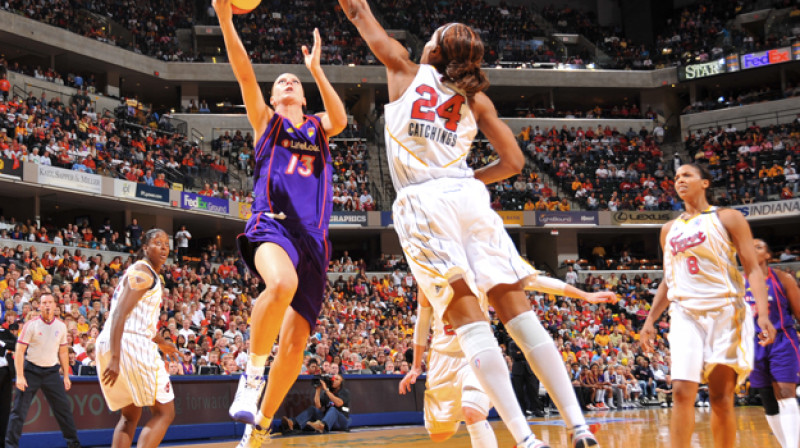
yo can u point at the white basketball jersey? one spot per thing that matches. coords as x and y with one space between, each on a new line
700 263
143 320
429 131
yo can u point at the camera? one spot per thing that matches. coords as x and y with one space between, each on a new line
318 379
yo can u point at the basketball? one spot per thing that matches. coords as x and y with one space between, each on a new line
244 6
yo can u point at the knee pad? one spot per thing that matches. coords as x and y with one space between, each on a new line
476 399
527 331
768 400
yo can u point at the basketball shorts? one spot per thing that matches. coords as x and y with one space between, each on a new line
308 249
701 340
448 231
451 384
142 379
778 362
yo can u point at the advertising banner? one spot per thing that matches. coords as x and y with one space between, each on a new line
343 218
386 219
124 189
765 58
11 167
73 180
769 209
697 71
157 194
511 218
194 201
641 217
566 218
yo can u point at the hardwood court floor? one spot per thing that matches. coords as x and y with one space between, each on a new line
617 429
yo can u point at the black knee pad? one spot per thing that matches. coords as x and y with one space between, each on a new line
768 400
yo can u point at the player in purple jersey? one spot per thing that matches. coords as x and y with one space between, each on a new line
286 239
777 367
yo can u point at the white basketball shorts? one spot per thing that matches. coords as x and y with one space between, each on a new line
701 340
451 384
142 380
448 231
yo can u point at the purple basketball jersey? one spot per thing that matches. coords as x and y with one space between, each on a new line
293 172
779 311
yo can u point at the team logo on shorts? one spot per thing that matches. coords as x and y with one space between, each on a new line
311 132
166 388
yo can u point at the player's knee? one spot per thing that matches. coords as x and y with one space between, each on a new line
684 393
441 436
721 398
165 411
786 391
472 416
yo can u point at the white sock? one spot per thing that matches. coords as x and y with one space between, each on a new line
487 362
481 435
790 421
601 396
263 422
775 425
547 364
255 366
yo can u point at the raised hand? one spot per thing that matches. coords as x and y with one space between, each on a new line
223 9
312 58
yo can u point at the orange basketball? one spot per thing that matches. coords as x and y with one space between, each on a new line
244 6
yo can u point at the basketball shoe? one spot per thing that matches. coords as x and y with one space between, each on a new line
253 437
245 404
532 442
582 437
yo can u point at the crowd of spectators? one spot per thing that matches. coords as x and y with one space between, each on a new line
85 81
149 27
741 97
616 111
756 164
275 32
599 169
698 32
133 144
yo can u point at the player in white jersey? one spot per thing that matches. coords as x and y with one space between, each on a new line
453 393
131 370
442 215
711 328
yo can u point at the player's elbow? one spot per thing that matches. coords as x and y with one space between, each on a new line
514 163
337 125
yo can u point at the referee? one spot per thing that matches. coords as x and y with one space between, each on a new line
45 341
7 343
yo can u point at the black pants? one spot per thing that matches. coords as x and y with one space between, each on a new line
526 388
5 400
51 383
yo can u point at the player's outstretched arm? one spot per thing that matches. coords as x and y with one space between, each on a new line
389 51
511 160
334 119
258 113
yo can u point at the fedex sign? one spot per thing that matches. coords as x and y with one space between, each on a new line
764 58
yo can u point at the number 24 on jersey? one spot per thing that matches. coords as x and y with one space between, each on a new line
450 110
